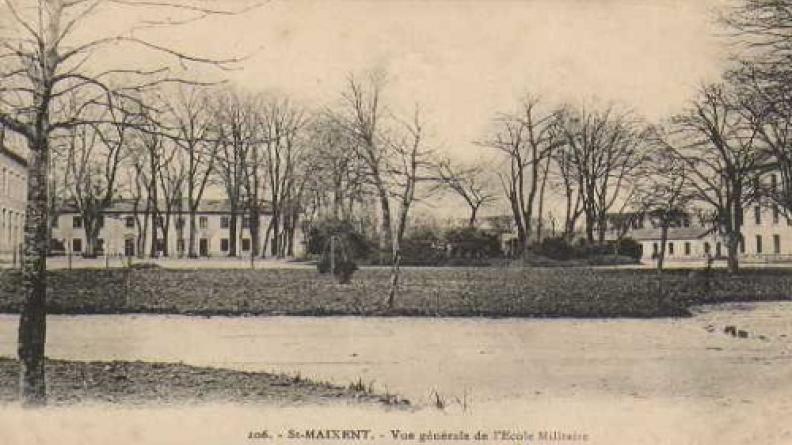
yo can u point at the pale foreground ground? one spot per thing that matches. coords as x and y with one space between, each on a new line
665 381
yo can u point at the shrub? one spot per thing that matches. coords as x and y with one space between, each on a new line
422 247
348 245
628 247
353 243
472 242
558 248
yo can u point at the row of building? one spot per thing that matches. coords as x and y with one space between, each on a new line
766 231
122 225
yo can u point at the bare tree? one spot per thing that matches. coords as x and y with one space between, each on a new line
93 160
362 117
764 30
468 182
604 150
235 116
282 123
45 61
194 132
717 144
172 173
527 139
411 164
341 173
566 180
665 195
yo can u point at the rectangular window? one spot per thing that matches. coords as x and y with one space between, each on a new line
225 222
203 222
776 243
687 249
758 243
224 244
776 214
757 215
670 248
100 221
180 246
245 222
77 222
55 222
76 245
742 244
180 222
245 244
129 222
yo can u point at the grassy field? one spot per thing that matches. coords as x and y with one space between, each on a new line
70 382
494 292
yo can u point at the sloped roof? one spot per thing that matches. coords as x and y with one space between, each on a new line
674 233
215 206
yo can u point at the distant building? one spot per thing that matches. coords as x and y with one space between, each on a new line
122 226
13 196
766 235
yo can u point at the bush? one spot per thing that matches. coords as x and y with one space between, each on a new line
472 243
558 249
348 245
628 247
348 239
422 247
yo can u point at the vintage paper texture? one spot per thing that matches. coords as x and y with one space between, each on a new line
625 381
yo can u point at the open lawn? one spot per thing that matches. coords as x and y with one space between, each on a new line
495 292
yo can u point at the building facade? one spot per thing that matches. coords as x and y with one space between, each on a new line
766 235
13 196
122 230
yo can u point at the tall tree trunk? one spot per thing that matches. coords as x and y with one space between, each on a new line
473 212
735 233
32 320
661 257
540 210
394 277
386 237
732 246
255 230
232 233
165 237
192 238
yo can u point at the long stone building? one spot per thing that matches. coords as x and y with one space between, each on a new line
766 235
122 227
13 195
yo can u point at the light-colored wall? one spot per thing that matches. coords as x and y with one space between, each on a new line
767 228
13 192
115 232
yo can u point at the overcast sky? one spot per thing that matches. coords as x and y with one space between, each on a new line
463 60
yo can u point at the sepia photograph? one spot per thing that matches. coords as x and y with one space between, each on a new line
393 222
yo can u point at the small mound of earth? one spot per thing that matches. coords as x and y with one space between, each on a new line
140 383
